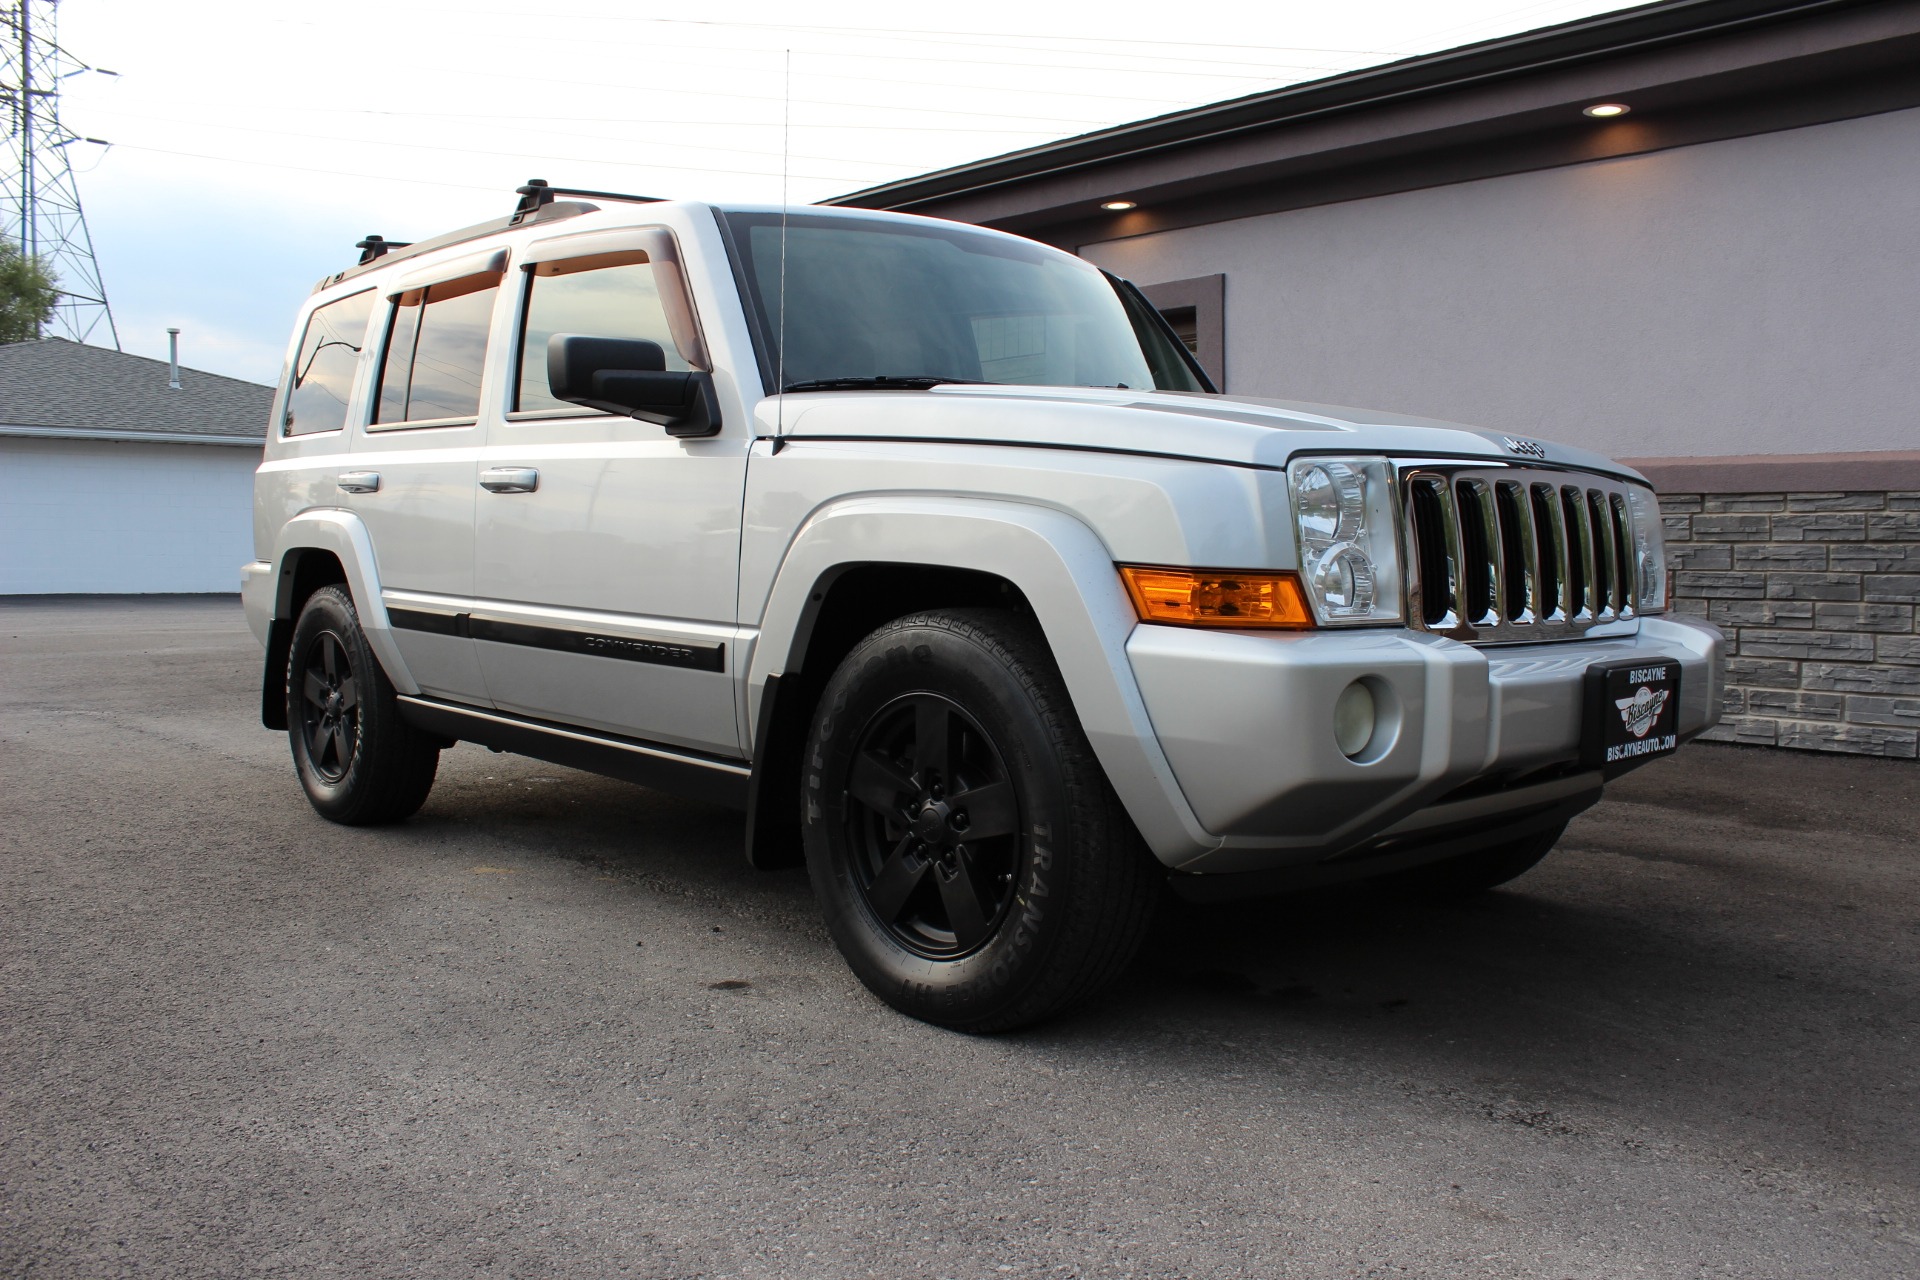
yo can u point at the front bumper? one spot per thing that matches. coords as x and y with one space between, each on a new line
1246 722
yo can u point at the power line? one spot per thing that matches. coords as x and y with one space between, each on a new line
974 85
1260 73
1261 70
1498 20
949 84
735 95
542 156
302 168
677 91
494 151
918 33
598 119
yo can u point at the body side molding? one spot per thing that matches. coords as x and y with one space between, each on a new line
686 773
696 656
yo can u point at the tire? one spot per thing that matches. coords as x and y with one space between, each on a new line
1475 872
974 865
359 762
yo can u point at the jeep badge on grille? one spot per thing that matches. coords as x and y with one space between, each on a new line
1524 447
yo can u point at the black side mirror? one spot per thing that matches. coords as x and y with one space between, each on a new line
629 376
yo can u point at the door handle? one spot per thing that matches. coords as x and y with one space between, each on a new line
360 481
509 479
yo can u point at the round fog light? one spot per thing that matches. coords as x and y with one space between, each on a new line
1353 719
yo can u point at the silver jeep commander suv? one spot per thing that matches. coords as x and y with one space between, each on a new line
934 550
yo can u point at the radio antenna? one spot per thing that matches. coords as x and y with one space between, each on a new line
780 343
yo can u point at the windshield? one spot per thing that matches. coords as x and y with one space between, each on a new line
868 300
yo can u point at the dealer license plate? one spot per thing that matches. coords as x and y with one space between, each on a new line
1632 713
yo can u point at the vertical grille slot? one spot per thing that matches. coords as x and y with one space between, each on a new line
1600 513
1479 569
1579 553
1516 552
1552 540
1430 539
1625 587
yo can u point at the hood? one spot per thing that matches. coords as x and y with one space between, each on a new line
1241 430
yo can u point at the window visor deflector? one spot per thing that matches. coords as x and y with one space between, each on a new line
663 251
493 262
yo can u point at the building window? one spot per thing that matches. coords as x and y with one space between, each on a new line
1186 325
324 368
1197 310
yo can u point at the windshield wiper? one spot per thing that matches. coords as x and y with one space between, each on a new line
884 382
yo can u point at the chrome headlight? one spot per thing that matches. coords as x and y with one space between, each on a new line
1649 550
1344 515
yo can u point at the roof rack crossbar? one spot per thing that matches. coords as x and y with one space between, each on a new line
537 192
378 246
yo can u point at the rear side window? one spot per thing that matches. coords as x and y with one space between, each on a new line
324 367
605 295
436 348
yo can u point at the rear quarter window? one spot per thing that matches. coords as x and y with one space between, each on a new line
325 366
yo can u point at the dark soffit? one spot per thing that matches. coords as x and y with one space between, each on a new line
997 187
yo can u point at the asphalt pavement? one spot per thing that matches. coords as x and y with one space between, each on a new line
555 1027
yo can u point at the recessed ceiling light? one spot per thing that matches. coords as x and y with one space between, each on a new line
1607 110
1118 206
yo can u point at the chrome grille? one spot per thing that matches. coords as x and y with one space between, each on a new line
1511 555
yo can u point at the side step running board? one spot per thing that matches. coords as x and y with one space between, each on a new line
687 773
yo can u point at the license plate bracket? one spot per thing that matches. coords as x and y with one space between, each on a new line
1632 713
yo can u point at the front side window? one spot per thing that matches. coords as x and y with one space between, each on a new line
436 348
869 299
606 295
325 366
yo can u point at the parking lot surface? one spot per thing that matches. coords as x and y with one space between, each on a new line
554 1027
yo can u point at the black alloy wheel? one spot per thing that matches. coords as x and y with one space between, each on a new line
934 827
973 863
359 762
330 710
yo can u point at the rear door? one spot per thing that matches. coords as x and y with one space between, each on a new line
415 462
607 550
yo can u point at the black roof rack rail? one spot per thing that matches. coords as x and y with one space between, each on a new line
537 194
537 204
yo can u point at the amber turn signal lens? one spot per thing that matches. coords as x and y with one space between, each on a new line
1217 598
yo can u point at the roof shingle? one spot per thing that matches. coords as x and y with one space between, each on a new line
54 383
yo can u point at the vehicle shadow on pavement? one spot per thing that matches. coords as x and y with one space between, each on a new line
1724 943
1502 968
1707 971
510 806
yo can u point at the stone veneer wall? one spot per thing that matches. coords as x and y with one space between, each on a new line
1816 593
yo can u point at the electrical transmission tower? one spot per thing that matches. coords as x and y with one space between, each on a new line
39 200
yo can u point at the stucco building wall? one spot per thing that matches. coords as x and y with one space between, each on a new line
1745 296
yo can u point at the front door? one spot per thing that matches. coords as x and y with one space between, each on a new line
606 550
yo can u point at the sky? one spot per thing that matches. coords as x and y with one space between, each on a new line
253 141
